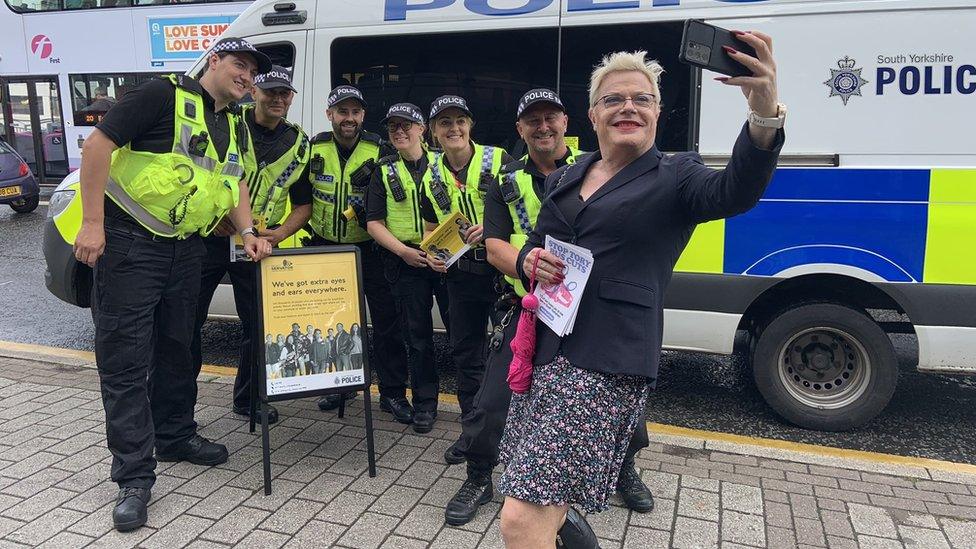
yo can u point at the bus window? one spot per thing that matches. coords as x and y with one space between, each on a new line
490 69
92 95
583 47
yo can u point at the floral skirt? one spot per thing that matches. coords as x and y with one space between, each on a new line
566 438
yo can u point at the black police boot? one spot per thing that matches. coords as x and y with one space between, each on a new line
453 455
632 489
576 533
197 450
130 508
331 402
475 492
400 408
423 422
246 412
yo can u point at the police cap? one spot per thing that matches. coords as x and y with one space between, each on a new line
539 95
343 92
233 44
445 102
407 111
277 77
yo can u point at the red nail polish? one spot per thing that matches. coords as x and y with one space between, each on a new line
738 33
721 78
729 49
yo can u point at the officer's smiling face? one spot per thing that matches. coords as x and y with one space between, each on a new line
543 128
452 128
274 103
625 126
347 118
405 138
233 74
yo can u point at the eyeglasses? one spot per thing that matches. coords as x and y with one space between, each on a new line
616 101
405 125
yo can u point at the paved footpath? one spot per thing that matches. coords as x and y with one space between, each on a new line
54 488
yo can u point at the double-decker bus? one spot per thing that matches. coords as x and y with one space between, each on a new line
63 63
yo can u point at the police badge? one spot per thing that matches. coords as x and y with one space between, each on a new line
845 81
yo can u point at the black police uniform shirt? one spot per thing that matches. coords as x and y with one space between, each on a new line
269 146
376 194
427 208
498 218
145 118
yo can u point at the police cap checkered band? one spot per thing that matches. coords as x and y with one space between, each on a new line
232 44
449 101
341 93
407 111
277 77
539 95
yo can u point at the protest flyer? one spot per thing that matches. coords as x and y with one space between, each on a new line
559 303
237 252
313 336
446 242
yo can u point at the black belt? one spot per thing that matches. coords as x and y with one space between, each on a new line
466 265
137 230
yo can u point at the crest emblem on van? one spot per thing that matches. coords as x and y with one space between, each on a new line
846 80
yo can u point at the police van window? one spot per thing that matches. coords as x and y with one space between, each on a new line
281 53
92 95
490 69
583 47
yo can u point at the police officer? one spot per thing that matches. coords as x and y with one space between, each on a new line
162 168
511 207
342 164
459 178
395 222
275 165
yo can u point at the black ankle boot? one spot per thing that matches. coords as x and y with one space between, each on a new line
462 508
632 489
576 533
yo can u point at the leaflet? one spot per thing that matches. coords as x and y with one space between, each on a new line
237 252
447 241
559 303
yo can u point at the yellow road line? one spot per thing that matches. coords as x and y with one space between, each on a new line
659 428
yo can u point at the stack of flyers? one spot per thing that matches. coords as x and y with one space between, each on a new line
559 303
446 242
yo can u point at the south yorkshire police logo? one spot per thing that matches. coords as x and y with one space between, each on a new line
846 80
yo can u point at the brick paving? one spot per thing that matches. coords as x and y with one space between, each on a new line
55 492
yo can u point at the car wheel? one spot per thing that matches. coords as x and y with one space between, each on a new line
825 366
26 205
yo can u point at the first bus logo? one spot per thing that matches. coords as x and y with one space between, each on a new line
43 47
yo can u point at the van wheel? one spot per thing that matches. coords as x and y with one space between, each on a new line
26 205
825 366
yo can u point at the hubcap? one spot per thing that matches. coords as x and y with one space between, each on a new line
824 368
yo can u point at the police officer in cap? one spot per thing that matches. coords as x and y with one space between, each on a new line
394 221
276 169
160 170
459 178
343 161
511 207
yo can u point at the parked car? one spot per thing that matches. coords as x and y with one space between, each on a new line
18 186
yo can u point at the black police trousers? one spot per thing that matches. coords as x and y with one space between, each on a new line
414 290
472 297
243 279
481 429
390 355
143 303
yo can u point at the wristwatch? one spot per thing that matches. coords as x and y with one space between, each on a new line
776 122
248 231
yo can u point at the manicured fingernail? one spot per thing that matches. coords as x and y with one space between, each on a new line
729 49
722 79
738 33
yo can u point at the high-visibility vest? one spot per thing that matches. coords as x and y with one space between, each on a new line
188 190
523 204
339 192
447 195
269 184
403 217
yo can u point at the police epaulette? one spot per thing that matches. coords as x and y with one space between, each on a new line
388 159
189 83
371 137
323 137
513 166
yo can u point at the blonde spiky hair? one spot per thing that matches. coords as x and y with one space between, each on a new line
626 61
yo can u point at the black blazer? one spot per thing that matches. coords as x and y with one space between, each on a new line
637 225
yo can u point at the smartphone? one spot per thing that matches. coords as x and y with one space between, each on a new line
701 46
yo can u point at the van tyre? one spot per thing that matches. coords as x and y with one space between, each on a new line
825 366
26 205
